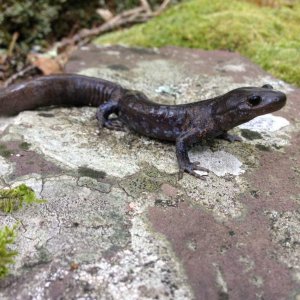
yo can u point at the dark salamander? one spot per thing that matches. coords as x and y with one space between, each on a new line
184 124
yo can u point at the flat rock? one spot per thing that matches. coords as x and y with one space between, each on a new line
118 224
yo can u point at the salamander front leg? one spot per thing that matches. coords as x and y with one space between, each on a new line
185 165
103 113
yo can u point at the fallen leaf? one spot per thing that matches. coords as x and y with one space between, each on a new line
48 65
105 14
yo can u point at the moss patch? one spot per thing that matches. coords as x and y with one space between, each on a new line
4 152
269 36
14 199
149 180
263 147
250 134
24 146
88 172
7 237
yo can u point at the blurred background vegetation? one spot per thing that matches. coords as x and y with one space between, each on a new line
41 22
266 31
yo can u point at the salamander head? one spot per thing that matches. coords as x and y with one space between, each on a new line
243 104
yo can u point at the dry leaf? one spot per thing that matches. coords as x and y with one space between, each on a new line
47 65
105 14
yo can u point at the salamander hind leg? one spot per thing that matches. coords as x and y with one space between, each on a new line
103 113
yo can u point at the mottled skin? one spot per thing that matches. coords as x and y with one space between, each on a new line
184 124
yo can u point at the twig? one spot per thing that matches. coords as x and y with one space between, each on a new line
162 7
136 15
15 76
146 6
124 18
12 44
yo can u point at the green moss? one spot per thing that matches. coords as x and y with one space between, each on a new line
14 199
263 147
24 146
250 134
7 237
269 36
149 180
4 152
11 200
88 172
140 183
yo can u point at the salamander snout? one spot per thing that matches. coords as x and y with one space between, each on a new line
269 102
281 98
246 103
259 101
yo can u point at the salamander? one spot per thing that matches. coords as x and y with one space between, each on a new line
184 124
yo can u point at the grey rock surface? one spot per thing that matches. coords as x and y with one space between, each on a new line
118 224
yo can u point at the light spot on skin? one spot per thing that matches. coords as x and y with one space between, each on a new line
266 123
155 130
167 133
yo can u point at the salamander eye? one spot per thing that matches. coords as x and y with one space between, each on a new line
267 86
254 100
